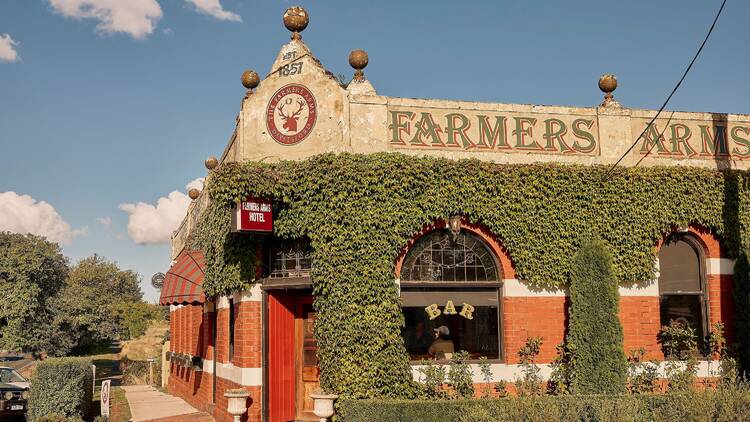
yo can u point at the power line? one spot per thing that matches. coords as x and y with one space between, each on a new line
697 53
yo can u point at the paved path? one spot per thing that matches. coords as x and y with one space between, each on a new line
147 403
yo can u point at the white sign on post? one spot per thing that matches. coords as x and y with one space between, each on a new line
106 386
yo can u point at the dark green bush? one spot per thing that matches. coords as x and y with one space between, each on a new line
595 333
724 405
61 386
54 417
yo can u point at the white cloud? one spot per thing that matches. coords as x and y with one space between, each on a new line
137 18
215 9
154 224
24 214
8 51
197 183
105 221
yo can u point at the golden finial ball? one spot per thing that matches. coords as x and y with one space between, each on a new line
193 193
250 79
211 162
296 19
608 83
358 59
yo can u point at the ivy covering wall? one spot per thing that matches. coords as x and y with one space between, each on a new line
359 211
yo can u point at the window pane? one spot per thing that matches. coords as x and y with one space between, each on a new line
291 259
479 335
686 309
679 267
439 256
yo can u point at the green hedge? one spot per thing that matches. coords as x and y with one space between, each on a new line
359 211
732 404
61 386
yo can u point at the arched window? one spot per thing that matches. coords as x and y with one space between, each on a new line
440 256
450 297
682 283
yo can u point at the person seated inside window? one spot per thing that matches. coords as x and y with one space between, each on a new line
419 340
442 347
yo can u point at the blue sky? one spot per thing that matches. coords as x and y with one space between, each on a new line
92 117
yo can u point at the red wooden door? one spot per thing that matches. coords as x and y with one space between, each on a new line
281 355
306 357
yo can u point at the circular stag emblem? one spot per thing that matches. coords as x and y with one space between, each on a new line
291 114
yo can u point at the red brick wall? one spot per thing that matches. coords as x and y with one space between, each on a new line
525 317
721 303
192 333
248 334
640 319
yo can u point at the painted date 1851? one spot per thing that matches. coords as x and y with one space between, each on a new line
291 69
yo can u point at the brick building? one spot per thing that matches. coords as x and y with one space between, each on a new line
263 339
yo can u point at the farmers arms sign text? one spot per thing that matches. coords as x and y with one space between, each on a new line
478 130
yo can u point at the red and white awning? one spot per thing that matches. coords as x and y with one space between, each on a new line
184 281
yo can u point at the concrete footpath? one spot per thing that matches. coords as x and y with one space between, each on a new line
148 404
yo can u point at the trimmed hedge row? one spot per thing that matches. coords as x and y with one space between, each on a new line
728 404
61 386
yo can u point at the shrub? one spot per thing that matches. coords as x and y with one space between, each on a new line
644 376
486 370
678 340
722 405
62 386
562 370
595 333
136 372
459 375
432 379
530 384
54 417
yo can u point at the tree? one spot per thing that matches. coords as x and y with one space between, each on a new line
88 308
595 333
105 277
32 271
134 318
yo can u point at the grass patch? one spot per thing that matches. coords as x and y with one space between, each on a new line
119 410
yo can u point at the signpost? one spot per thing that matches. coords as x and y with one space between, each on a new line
105 395
253 215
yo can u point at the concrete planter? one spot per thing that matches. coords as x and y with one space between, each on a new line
237 402
323 405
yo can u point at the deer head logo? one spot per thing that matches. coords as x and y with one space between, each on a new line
290 120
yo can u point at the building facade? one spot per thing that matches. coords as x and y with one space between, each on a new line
456 272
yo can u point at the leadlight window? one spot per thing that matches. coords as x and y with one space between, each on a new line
449 283
290 259
682 284
441 256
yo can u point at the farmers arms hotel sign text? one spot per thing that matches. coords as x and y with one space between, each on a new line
434 128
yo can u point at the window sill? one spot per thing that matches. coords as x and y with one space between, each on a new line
447 362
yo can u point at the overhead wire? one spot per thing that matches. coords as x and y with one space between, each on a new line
687 70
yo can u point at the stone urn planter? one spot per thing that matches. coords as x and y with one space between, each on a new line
237 402
323 405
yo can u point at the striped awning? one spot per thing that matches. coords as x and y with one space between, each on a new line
184 281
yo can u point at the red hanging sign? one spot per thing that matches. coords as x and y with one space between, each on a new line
253 215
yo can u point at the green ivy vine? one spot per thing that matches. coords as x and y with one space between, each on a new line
360 210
